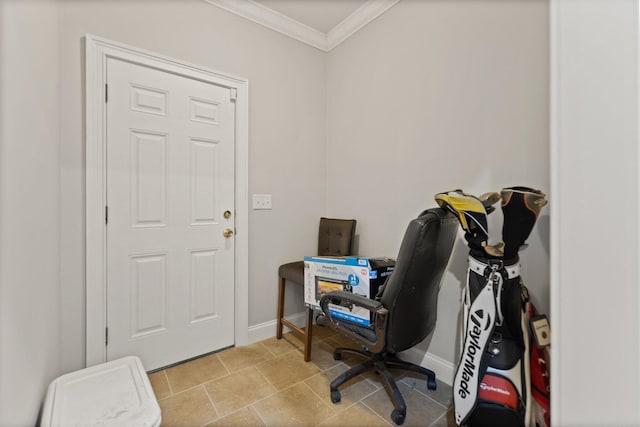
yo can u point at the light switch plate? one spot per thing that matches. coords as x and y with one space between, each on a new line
261 201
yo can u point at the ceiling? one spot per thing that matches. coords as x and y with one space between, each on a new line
323 24
323 15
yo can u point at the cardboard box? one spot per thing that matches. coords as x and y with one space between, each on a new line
379 270
361 276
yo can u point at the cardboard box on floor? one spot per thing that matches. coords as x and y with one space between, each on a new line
361 276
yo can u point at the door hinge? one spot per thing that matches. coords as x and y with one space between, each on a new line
234 94
106 215
106 336
106 93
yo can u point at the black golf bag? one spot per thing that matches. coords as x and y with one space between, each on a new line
492 384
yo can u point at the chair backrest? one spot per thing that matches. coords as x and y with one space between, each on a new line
411 292
335 236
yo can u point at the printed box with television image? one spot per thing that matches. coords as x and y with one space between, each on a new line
361 276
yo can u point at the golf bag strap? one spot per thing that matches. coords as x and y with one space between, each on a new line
480 324
483 269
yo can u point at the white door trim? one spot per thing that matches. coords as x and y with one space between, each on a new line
97 51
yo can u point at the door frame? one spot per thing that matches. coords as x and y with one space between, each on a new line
97 51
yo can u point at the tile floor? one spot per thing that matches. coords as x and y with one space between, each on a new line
269 384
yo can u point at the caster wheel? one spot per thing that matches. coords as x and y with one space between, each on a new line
321 320
398 417
335 396
431 384
337 356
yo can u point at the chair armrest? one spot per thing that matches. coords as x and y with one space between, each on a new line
347 328
336 297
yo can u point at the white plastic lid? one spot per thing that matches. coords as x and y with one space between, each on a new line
113 393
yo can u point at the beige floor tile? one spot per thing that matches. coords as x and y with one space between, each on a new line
352 391
322 355
286 370
317 335
294 406
195 372
246 417
443 393
356 416
160 384
279 347
238 390
298 342
447 420
237 358
187 409
339 340
421 411
268 383
323 332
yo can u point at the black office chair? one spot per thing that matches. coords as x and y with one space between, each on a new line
335 238
406 311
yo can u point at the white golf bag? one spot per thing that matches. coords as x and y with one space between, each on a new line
492 384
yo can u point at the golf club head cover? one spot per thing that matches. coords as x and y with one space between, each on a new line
520 208
472 216
489 199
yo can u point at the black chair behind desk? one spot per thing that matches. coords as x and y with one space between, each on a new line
406 312
335 238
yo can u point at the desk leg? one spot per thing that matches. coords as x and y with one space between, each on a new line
280 307
307 335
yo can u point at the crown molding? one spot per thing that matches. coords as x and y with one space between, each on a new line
275 20
357 20
281 23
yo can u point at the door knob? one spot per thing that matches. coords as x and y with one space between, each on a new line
228 233
227 214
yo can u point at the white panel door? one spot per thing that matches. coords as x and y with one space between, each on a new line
170 179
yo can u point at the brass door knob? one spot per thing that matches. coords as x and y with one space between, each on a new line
228 233
227 214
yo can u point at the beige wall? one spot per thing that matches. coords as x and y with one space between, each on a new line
432 96
30 324
286 130
42 189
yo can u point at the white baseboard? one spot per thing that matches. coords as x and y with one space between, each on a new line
443 368
266 330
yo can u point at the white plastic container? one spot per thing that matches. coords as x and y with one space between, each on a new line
116 393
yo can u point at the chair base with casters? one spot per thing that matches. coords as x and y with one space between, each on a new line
405 313
380 363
